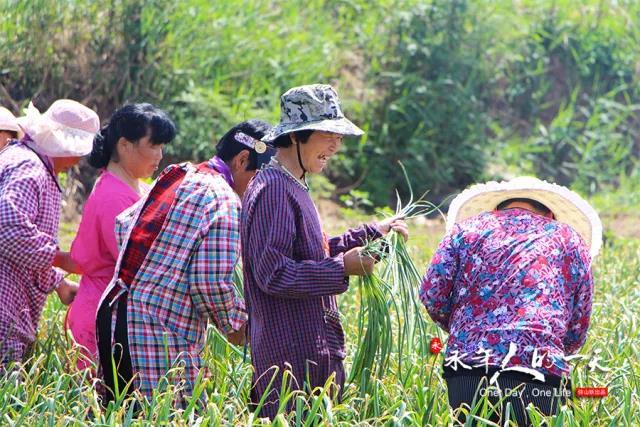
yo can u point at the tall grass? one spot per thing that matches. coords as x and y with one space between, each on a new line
47 391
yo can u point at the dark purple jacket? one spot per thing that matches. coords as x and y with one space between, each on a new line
290 283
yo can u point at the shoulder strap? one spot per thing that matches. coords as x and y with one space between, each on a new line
149 223
152 217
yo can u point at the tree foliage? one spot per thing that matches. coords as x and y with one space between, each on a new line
457 90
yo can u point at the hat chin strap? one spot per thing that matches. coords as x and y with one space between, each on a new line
304 170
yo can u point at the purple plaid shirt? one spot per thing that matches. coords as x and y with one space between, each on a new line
185 281
290 284
29 216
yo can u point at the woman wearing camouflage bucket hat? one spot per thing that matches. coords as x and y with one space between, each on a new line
293 272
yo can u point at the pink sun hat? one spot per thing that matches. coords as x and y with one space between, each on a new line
8 121
66 129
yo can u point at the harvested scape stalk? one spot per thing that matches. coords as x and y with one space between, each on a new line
400 271
393 290
411 324
375 340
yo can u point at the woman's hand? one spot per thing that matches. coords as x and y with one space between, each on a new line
396 224
64 261
238 337
67 291
356 264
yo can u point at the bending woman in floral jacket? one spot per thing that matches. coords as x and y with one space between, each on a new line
511 282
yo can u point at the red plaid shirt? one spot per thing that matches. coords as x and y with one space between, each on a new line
186 277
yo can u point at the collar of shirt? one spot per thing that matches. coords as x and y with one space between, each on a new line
46 160
275 164
520 211
221 167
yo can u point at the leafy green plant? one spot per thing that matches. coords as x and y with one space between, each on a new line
431 114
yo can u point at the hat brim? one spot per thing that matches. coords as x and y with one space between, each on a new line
53 141
567 206
10 127
342 126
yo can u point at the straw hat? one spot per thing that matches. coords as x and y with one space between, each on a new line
8 121
567 206
66 129
312 107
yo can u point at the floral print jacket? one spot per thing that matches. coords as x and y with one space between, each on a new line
513 289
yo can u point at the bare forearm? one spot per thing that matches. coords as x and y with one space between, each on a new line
64 261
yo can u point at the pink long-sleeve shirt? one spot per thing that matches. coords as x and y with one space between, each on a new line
95 251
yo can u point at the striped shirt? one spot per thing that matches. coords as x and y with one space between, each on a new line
292 274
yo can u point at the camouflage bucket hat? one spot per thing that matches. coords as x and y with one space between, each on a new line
312 107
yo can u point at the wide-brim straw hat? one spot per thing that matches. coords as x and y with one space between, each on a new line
66 129
8 121
567 206
312 107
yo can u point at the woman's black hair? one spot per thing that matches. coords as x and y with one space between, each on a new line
540 207
284 141
228 147
133 122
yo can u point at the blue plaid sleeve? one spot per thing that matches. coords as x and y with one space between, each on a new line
212 265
